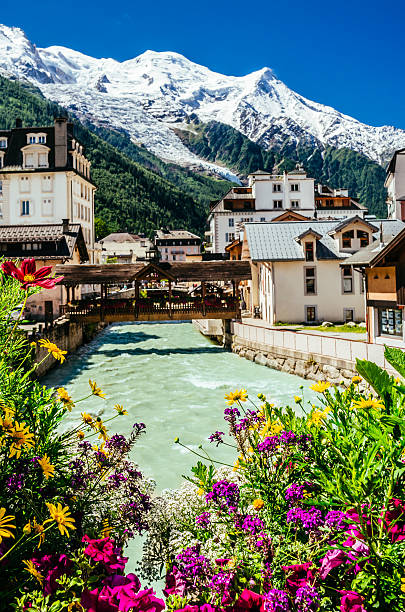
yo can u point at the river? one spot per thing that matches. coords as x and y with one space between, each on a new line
173 379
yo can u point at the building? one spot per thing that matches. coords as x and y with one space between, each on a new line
49 245
383 266
297 276
291 196
336 203
176 245
395 184
265 198
122 247
45 177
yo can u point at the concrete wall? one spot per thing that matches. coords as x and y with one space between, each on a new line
311 356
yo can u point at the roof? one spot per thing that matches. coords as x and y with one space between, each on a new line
377 250
277 241
309 232
50 240
122 237
356 219
175 235
289 215
181 271
393 162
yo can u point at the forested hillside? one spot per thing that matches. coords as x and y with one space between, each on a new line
345 168
137 197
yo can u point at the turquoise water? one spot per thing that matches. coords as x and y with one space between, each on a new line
173 379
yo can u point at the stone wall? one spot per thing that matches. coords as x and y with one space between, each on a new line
67 335
314 367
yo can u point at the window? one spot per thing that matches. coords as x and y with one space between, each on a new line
42 139
310 314
47 183
295 203
24 184
390 322
309 251
247 205
47 207
25 208
347 282
43 160
364 238
262 219
229 237
347 239
310 281
1 188
3 143
277 203
295 187
276 187
231 222
29 160
32 139
348 315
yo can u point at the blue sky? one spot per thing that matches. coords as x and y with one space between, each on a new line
348 54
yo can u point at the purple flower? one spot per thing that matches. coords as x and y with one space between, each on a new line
138 427
231 414
294 493
203 520
216 437
268 445
225 494
15 482
118 443
220 582
194 566
307 599
276 600
336 519
311 519
243 424
252 524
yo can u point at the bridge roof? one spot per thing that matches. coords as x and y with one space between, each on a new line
181 271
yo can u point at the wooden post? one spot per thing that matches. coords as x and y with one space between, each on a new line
203 297
136 305
170 298
102 302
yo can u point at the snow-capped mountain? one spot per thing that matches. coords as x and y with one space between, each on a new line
149 95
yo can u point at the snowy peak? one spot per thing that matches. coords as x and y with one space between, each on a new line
150 94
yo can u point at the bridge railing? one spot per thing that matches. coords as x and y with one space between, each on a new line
149 306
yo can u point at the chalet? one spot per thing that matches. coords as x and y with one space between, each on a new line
176 245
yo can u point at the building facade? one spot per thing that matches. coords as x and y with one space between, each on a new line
395 184
275 197
299 273
176 245
122 247
45 177
49 245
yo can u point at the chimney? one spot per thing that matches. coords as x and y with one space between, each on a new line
381 235
60 128
18 123
65 226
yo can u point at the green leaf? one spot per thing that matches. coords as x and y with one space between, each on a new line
396 357
378 378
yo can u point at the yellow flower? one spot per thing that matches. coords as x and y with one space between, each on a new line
318 416
258 504
80 435
321 386
356 380
5 525
33 344
54 350
297 399
61 516
276 428
120 409
236 396
47 467
403 584
64 397
200 491
236 465
37 528
6 422
365 404
96 390
106 530
87 418
21 438
30 567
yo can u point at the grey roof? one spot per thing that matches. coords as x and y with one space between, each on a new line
121 237
276 241
354 219
174 234
50 240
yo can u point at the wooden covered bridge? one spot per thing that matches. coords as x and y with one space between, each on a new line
162 291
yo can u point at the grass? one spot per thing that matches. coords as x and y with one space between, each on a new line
346 329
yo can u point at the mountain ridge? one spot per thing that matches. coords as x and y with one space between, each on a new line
150 94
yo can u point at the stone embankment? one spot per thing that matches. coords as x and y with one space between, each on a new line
67 335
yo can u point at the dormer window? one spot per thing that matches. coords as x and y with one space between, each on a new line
347 238
42 139
364 238
32 139
3 143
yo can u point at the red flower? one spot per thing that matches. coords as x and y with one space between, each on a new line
29 276
301 576
249 600
104 551
395 520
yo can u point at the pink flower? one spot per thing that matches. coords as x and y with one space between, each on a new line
143 601
176 583
333 558
249 600
29 276
397 511
351 602
95 601
104 551
301 576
